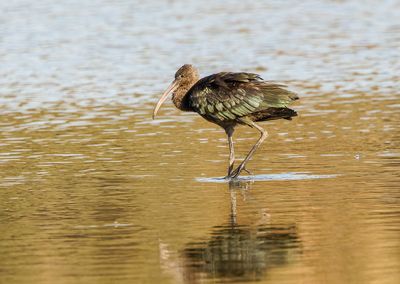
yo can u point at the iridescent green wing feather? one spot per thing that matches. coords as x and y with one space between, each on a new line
229 96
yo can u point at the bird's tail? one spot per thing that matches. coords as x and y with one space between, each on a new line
275 113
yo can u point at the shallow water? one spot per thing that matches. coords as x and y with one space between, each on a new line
93 191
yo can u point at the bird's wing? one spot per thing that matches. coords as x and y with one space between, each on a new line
229 96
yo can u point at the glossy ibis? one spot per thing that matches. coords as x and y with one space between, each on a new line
230 99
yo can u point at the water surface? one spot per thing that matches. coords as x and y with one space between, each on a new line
93 191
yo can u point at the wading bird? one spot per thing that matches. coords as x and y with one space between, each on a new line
230 99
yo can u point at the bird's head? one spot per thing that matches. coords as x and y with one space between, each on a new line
185 77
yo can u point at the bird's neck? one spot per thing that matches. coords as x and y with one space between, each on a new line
180 96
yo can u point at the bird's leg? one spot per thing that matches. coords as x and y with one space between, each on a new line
229 132
264 135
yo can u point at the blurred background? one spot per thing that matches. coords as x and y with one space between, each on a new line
93 191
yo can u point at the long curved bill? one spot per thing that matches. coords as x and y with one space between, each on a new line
170 89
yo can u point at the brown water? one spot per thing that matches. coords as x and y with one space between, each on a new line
93 191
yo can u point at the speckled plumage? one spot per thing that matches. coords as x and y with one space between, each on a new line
225 97
228 99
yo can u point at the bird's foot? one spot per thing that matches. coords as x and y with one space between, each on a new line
235 173
232 174
247 171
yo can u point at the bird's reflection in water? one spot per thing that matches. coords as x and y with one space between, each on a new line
240 252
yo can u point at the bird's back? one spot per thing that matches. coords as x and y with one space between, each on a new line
227 96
